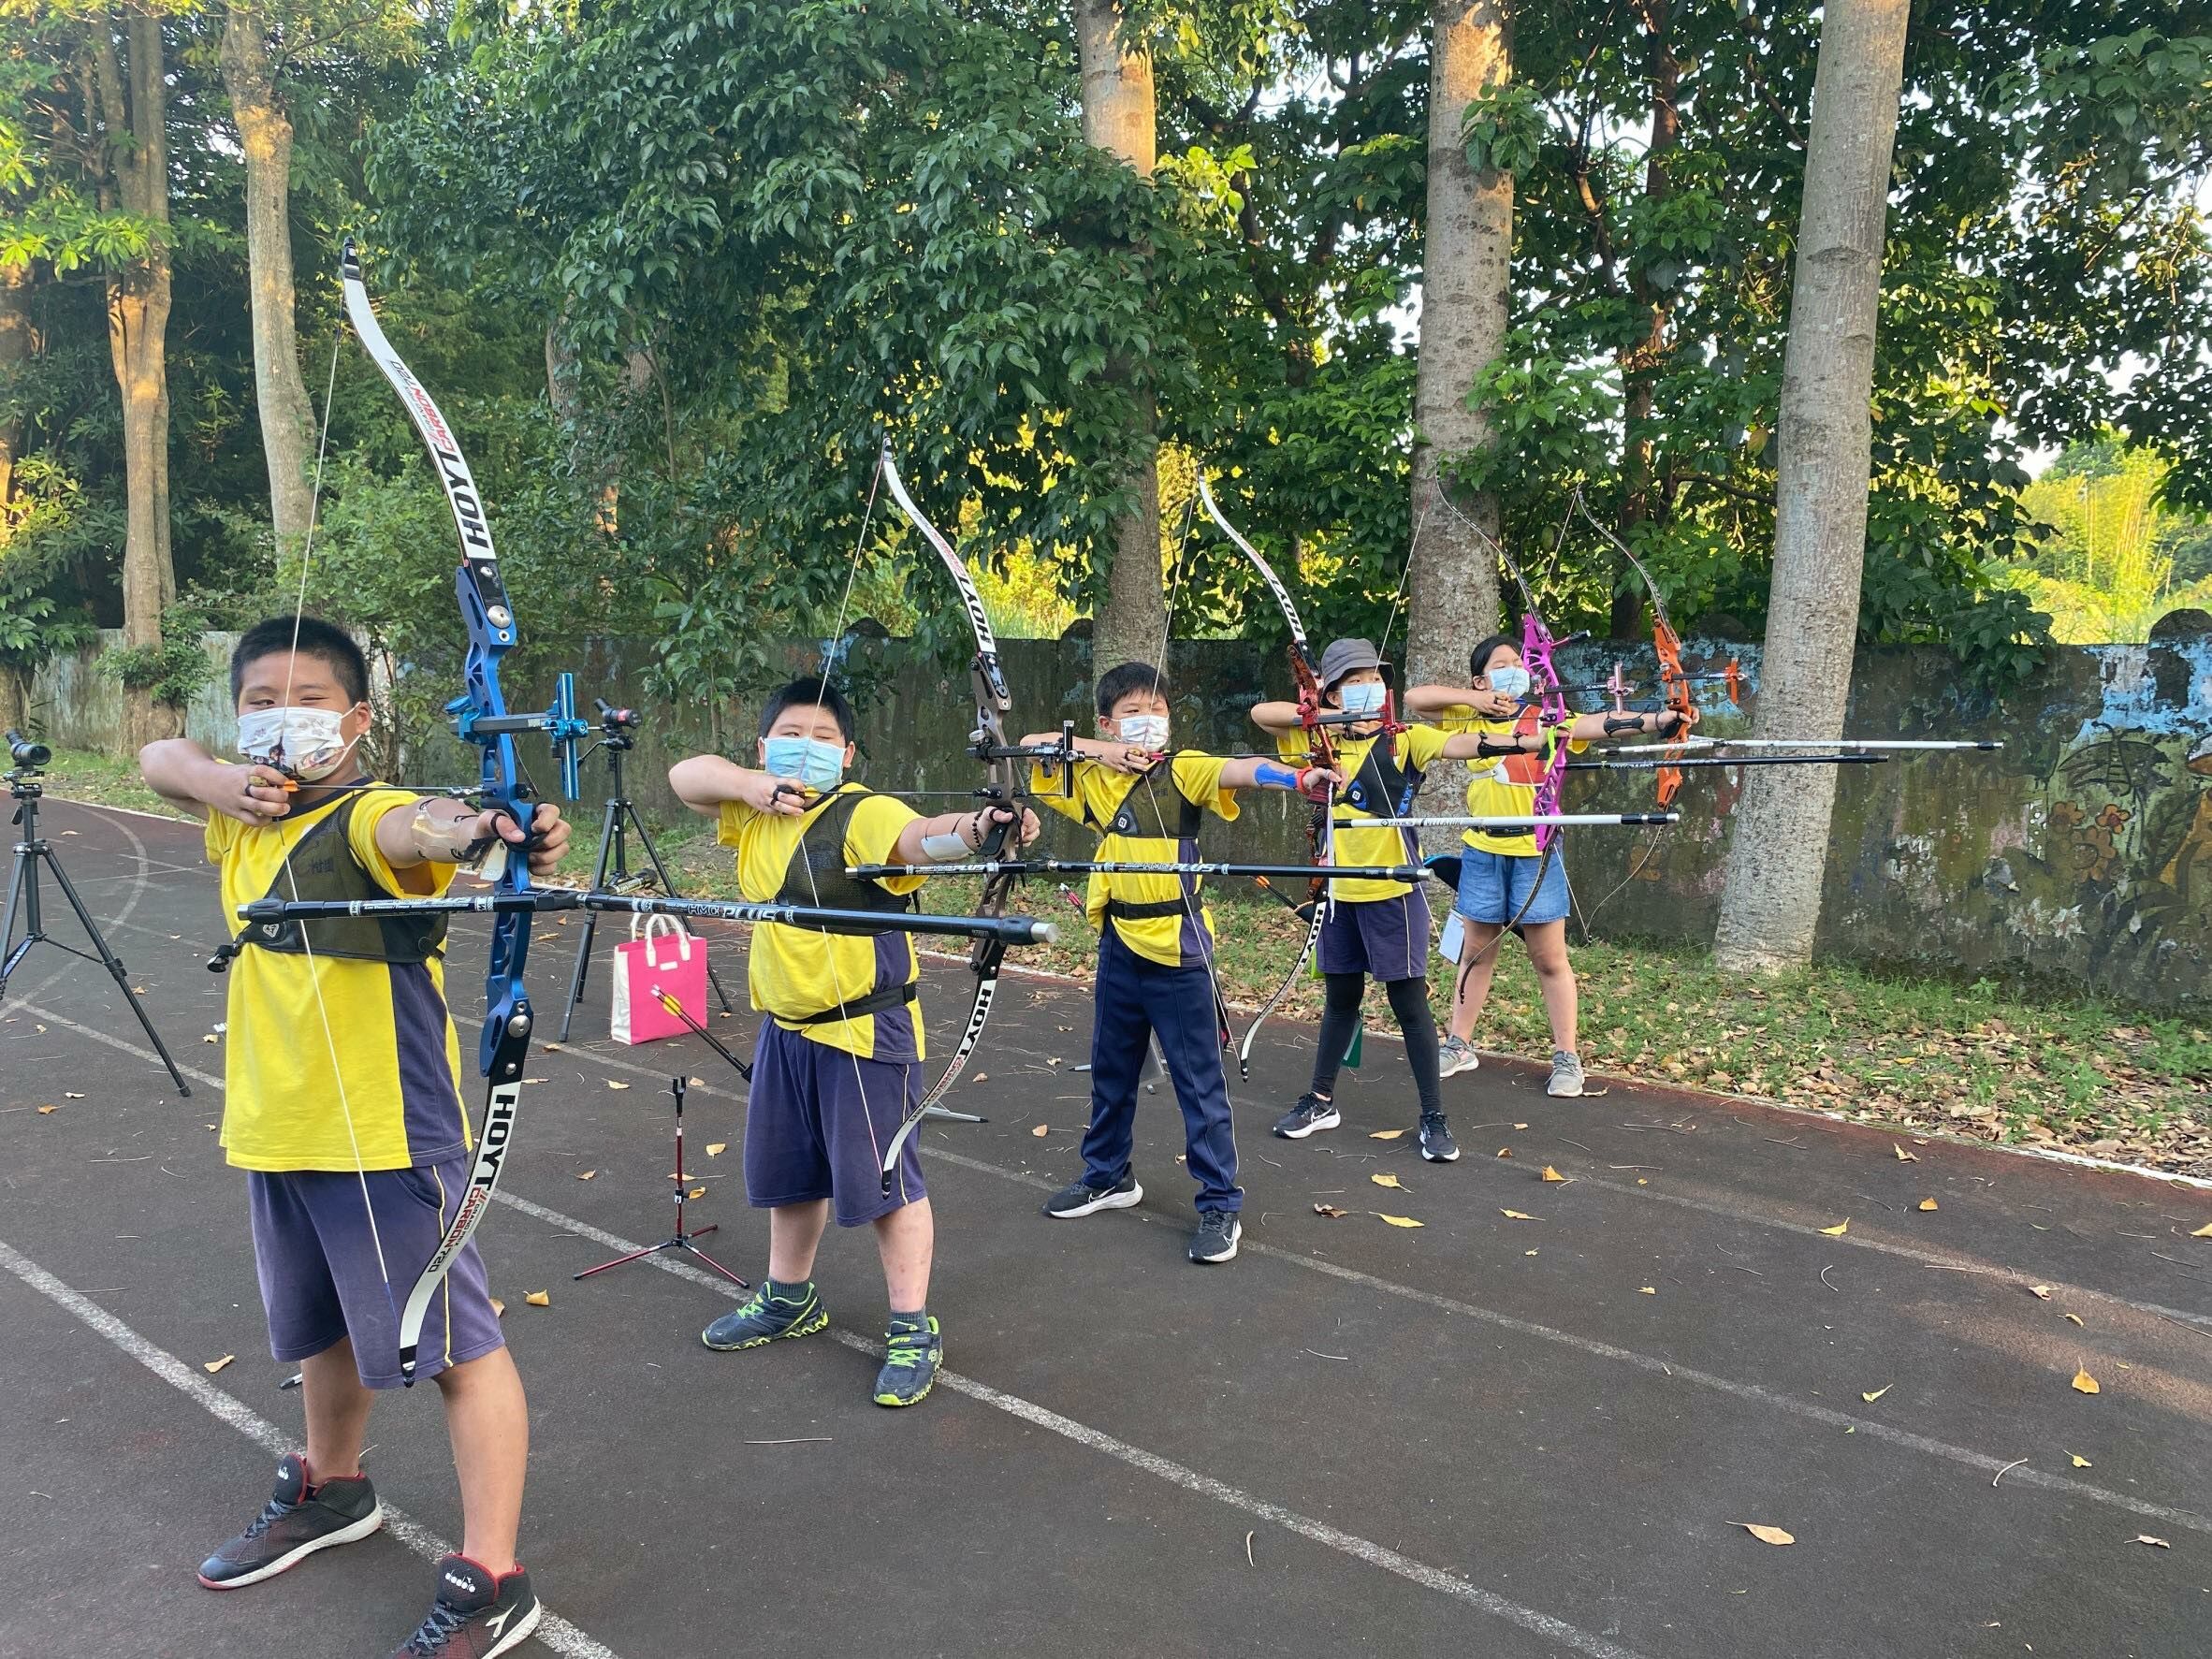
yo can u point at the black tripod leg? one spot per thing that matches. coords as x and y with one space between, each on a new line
114 966
653 857
19 880
608 830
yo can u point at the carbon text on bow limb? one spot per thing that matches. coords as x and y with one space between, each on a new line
1005 930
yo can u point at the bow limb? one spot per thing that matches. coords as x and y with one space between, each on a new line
1004 786
480 717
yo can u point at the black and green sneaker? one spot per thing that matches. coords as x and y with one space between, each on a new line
771 1312
911 1353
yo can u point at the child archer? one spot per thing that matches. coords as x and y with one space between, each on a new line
1156 945
1375 929
355 1175
1504 879
838 1066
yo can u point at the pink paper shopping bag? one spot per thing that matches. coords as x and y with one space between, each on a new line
668 959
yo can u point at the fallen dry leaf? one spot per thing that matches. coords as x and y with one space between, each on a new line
71 1095
1521 1126
1765 1535
2084 1382
1390 1181
551 1048
696 1083
2040 1292
1902 1156
696 1192
212 1366
2202 1232
1551 1174
498 1308
1927 1204
586 1174
2079 1461
715 1148
2154 1543
1041 1131
47 1110
1877 1394
537 1080
613 1084
1838 1230
540 1298
1642 1180
2075 1317
1647 1291
1397 1220
1384 1134
1504 1152
1329 1210
1517 1215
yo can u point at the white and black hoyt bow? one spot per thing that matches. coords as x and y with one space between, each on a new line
480 716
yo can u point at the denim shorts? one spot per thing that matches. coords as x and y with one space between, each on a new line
1494 886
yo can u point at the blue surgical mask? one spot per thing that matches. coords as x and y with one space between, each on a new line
1510 681
817 764
1364 698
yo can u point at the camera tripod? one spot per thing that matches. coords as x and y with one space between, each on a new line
32 850
618 729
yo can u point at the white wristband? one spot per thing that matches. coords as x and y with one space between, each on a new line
946 848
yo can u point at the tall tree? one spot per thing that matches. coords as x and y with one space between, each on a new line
130 101
1119 116
280 394
1466 254
1770 904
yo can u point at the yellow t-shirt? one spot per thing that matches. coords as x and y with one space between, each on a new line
1505 787
796 972
287 1105
1099 796
1415 749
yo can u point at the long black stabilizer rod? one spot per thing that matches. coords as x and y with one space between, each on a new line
1077 867
1010 930
1746 760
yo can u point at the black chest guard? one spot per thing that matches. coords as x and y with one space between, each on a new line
1382 787
322 867
816 875
1127 819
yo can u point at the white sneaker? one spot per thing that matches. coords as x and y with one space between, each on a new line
1456 1054
1566 1074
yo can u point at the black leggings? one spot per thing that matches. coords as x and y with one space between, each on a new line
1340 1019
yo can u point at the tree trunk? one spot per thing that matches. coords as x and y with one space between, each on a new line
136 124
1771 904
1642 502
1451 597
280 393
15 350
1118 112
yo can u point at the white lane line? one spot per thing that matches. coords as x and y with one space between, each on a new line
555 1632
1136 1457
1873 1429
1753 1392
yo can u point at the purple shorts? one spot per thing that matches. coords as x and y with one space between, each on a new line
320 1281
817 1124
1384 939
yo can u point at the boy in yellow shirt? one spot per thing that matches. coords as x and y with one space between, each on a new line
838 1066
354 1176
1155 946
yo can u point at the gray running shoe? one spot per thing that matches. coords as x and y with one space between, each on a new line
1566 1074
297 1520
1456 1054
763 1317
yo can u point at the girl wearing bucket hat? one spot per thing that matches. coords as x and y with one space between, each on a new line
1372 929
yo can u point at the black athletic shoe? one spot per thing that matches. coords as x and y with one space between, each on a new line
475 1615
300 1519
1080 1198
1437 1145
1217 1237
1310 1115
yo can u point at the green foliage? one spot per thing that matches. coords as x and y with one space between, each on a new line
168 673
2104 565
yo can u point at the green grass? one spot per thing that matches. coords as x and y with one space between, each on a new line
1918 1054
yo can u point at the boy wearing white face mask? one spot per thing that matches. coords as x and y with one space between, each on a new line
837 1064
1502 874
1370 928
1156 945
354 1176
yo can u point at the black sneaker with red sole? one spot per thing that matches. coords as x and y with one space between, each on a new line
300 1517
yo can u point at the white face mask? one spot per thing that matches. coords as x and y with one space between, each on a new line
1509 681
1147 732
1365 698
308 744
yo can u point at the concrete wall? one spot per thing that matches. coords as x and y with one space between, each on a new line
2082 853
